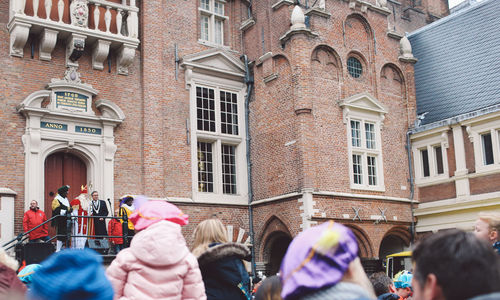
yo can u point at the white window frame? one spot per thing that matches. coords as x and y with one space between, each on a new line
475 135
200 79
365 108
375 119
212 18
429 143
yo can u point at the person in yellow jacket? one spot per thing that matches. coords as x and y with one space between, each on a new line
126 209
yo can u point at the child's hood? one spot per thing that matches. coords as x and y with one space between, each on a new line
161 244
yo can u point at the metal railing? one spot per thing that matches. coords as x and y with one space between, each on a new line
70 219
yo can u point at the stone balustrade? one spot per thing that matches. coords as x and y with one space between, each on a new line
102 24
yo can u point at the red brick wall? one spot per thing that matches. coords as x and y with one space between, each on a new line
229 215
437 192
320 152
153 157
484 184
450 152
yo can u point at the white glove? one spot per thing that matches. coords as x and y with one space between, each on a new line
63 212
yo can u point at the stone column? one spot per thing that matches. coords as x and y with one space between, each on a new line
461 180
7 197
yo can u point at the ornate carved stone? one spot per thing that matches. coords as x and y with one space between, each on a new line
47 43
18 37
79 12
405 51
74 49
99 54
125 58
71 75
298 18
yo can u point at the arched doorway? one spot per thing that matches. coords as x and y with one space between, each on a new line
277 249
62 168
393 244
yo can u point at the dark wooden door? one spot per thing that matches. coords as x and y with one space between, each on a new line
62 169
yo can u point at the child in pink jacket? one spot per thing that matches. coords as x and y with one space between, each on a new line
158 264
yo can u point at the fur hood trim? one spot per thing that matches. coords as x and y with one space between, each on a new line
222 251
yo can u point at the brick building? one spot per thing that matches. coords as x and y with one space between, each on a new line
264 113
456 143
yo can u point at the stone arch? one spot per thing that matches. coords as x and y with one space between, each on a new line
396 239
273 242
364 243
392 80
326 63
358 33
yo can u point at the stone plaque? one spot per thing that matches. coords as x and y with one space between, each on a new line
56 126
90 130
71 100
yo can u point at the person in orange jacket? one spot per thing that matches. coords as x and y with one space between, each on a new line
32 218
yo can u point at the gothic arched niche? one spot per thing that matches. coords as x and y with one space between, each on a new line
325 63
282 66
358 33
392 80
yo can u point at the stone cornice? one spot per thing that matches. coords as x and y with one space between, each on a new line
288 35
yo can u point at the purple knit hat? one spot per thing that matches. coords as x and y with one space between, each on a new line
318 257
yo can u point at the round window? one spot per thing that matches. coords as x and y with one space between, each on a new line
354 67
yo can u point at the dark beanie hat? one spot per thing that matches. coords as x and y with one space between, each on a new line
64 188
71 274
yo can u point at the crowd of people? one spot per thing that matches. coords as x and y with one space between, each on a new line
321 262
82 228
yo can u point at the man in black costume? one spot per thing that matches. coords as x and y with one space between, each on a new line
61 207
98 208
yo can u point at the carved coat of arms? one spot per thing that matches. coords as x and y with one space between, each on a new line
79 13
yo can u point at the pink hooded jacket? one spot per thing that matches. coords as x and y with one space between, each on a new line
158 265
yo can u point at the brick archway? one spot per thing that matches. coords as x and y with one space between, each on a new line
396 239
364 243
273 243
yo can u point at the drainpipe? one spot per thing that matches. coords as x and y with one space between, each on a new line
249 82
412 192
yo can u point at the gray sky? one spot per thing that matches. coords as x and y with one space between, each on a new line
452 3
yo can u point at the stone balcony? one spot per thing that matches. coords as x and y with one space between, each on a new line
102 25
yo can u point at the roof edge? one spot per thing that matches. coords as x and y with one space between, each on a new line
449 17
456 119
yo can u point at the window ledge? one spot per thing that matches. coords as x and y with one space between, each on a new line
214 198
378 188
485 170
212 44
433 181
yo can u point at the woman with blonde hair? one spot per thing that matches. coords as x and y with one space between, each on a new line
223 272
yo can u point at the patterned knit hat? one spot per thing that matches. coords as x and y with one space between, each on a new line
71 274
317 258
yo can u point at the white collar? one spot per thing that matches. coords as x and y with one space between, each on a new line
64 201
